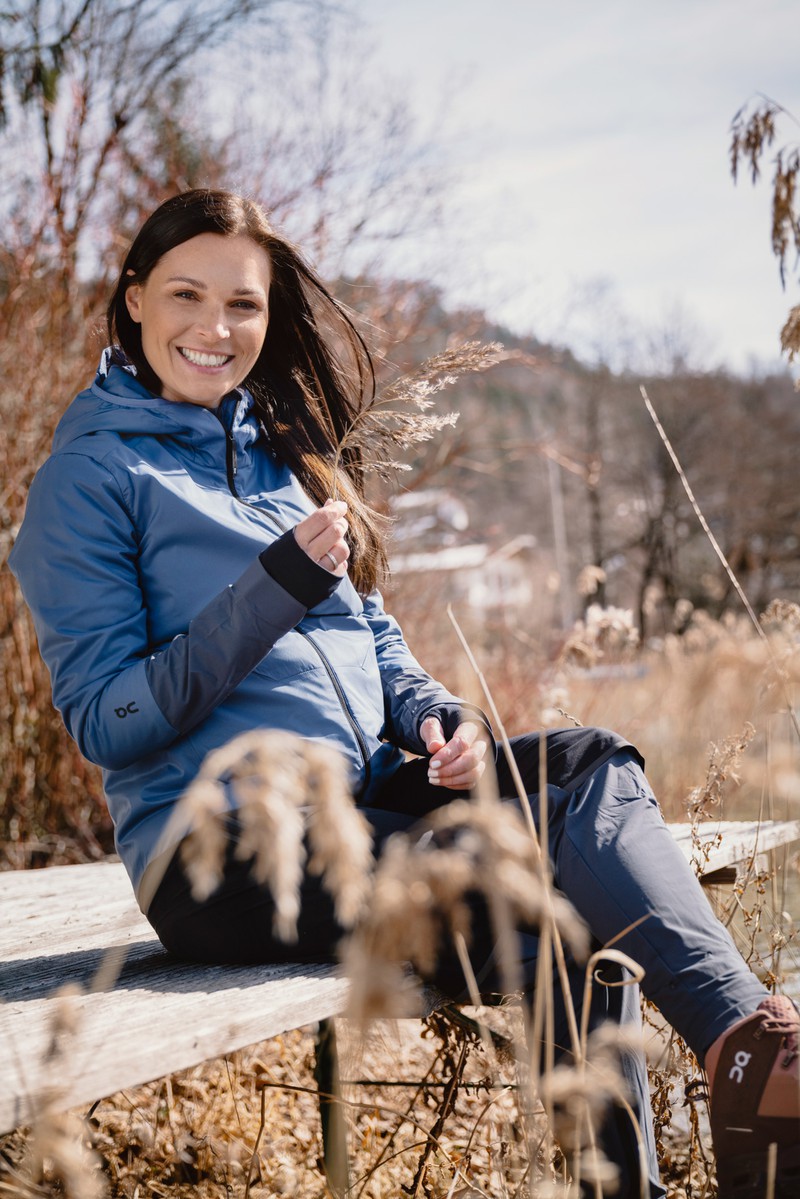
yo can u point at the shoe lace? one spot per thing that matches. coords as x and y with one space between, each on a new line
696 1091
783 1019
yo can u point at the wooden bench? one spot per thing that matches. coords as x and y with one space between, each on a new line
141 1014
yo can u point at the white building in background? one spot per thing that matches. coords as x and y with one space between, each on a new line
430 515
475 574
428 544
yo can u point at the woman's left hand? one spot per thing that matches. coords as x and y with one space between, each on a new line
323 536
457 763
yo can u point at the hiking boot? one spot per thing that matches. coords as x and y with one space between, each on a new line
755 1102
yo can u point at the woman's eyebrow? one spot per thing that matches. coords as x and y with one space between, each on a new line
239 291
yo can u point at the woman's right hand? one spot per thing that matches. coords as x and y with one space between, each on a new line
323 536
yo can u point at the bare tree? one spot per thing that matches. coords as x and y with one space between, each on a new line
79 78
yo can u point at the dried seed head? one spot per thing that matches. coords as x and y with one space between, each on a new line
277 783
499 850
338 834
578 1098
58 1149
790 334
400 416
590 579
780 614
59 1152
203 848
723 762
420 897
63 1024
602 632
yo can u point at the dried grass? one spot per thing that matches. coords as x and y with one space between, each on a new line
420 897
400 417
284 787
58 1151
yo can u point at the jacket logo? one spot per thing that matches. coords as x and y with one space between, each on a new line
128 710
736 1071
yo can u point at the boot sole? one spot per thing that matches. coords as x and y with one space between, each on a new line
746 1177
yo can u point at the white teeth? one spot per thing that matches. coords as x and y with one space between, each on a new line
198 359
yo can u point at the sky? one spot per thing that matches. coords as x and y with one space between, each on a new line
589 140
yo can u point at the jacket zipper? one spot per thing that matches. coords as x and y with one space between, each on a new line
340 695
231 470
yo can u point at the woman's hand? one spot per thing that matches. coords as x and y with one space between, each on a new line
457 763
322 536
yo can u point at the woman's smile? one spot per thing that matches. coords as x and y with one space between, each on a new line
200 358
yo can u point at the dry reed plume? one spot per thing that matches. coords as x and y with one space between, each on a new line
286 790
722 764
58 1150
604 632
399 417
577 1099
752 134
421 893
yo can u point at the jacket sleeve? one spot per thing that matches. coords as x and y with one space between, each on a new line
76 560
409 692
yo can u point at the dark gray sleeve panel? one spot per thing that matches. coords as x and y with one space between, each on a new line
201 667
291 567
76 559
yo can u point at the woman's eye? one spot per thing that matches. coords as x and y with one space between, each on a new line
246 304
185 295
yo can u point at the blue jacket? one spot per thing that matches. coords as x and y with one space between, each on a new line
164 631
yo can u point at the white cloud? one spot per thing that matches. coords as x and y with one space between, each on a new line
593 139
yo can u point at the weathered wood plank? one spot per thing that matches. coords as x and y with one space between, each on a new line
163 1018
59 925
731 842
83 907
62 924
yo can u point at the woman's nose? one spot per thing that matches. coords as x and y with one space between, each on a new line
213 322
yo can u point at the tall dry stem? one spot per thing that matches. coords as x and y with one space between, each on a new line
525 804
720 554
58 1150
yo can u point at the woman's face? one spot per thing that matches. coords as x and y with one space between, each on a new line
204 313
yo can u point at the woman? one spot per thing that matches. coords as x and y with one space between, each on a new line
191 578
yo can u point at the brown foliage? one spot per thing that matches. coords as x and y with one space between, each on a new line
753 132
53 809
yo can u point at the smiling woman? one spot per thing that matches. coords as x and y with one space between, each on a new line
191 579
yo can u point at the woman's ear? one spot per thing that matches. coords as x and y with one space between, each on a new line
133 302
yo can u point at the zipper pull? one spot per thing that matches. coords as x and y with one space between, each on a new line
233 456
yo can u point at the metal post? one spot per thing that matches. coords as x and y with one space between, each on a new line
331 1112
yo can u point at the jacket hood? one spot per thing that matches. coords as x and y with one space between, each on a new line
118 402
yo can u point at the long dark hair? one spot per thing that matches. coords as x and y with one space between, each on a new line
306 392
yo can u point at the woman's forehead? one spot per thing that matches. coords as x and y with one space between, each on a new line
212 258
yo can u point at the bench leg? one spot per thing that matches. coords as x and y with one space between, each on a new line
331 1112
